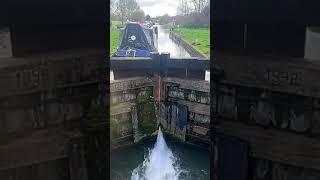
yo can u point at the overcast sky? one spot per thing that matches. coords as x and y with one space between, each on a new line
159 7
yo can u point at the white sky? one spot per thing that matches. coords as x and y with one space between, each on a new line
159 7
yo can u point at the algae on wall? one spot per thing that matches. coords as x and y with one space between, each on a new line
140 121
120 125
147 122
146 117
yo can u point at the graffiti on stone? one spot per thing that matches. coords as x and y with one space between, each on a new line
278 78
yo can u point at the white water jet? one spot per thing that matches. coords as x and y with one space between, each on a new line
159 164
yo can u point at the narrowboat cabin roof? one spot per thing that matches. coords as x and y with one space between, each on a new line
138 39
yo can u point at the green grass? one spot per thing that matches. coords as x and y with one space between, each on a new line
116 23
197 37
114 36
114 40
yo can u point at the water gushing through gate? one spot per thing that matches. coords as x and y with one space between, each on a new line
159 163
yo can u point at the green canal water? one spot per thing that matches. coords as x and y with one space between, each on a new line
148 161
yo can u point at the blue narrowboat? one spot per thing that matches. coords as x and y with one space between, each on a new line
137 40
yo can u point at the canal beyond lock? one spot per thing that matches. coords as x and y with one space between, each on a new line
165 44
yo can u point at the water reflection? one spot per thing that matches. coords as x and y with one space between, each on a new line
165 44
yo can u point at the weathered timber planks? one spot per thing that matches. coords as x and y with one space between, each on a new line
195 107
121 108
40 146
293 76
124 63
197 85
275 145
130 83
44 72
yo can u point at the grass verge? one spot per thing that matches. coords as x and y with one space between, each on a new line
114 40
199 38
116 23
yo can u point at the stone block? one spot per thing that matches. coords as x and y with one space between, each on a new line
73 111
5 43
54 113
200 130
315 128
14 120
299 121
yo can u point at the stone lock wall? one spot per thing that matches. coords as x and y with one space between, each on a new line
270 105
56 169
281 130
132 111
121 127
184 112
281 111
194 96
44 105
264 169
46 92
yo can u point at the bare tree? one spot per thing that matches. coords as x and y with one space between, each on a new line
138 15
126 8
199 5
206 10
112 7
184 7
198 13
121 9
132 8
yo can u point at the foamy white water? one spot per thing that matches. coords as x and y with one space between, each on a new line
159 163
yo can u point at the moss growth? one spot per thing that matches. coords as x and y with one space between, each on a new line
116 126
145 95
146 118
113 128
147 122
